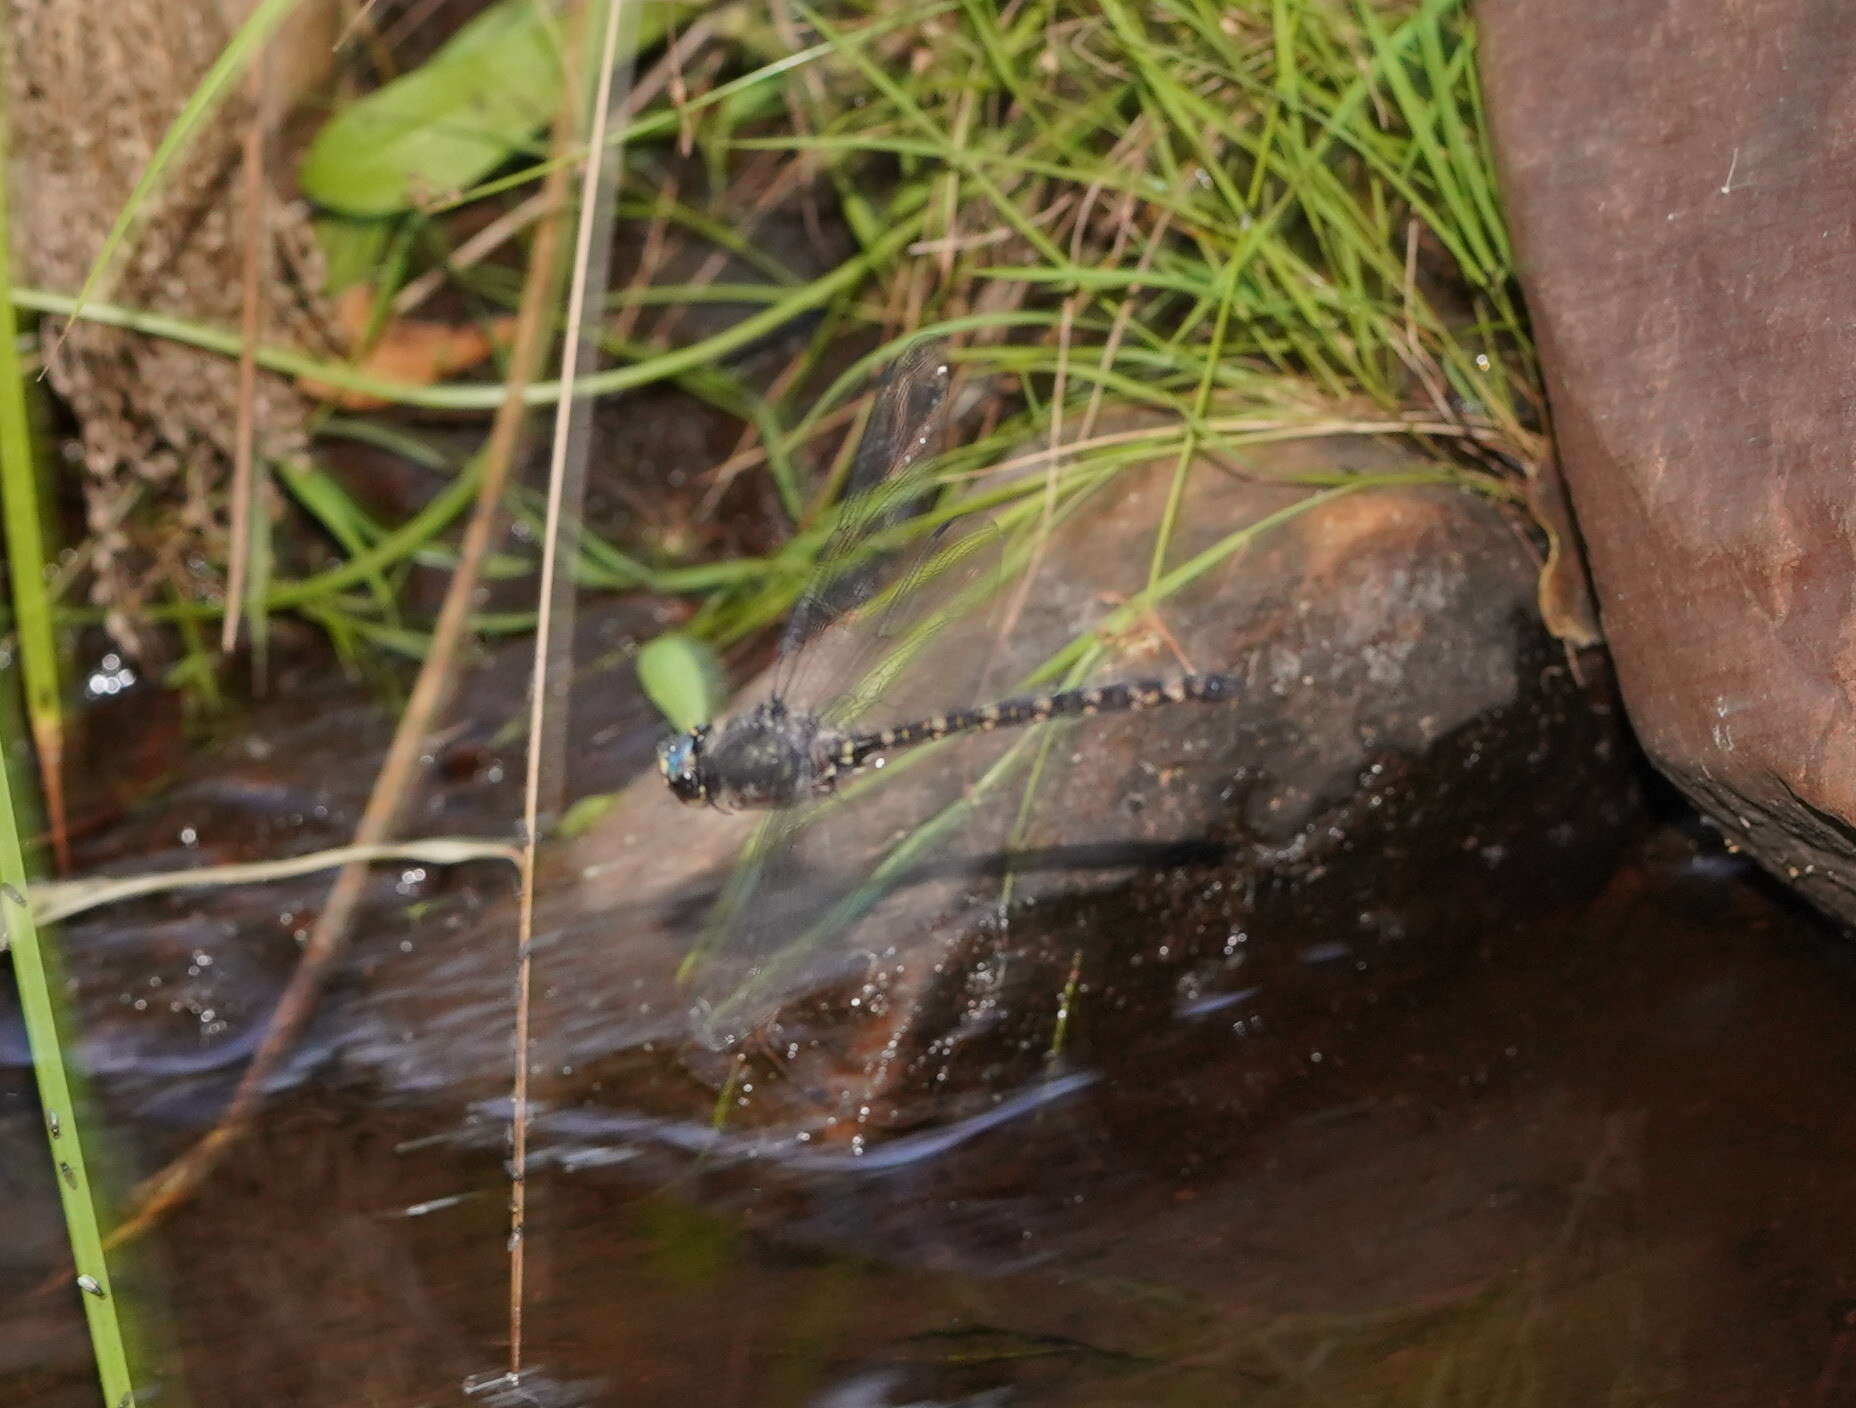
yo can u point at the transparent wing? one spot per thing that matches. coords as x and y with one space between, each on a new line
887 485
906 619
816 886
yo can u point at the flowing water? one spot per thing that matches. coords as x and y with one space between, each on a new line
1605 1160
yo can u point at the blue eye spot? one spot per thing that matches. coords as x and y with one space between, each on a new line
674 756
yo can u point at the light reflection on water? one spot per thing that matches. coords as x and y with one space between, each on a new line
573 1139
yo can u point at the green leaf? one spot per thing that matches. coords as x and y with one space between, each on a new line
447 123
683 677
581 817
351 249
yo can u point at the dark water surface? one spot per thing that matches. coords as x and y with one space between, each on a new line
1606 1160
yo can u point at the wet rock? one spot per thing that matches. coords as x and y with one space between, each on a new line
1411 766
1679 176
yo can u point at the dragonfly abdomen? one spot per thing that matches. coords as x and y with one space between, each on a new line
858 750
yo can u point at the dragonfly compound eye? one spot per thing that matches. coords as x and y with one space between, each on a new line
680 759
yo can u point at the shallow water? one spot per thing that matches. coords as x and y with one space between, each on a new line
1604 1160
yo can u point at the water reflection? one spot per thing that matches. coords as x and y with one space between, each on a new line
1604 1161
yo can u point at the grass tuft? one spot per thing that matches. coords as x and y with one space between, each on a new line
1262 210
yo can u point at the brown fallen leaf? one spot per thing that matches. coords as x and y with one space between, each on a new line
412 350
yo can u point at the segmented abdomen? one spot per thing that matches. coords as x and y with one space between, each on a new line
858 749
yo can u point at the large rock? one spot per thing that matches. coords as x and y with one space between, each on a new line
1681 176
1410 766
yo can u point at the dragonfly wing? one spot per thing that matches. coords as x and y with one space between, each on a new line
888 484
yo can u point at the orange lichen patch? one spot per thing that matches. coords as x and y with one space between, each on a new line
1345 529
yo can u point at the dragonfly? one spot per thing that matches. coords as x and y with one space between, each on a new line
808 873
780 754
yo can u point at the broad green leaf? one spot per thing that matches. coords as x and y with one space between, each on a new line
682 676
446 124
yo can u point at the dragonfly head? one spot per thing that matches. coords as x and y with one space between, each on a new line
680 759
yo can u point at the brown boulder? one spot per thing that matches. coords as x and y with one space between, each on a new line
1410 767
1681 175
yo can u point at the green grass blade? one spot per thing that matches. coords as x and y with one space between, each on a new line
484 396
37 972
342 519
23 528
